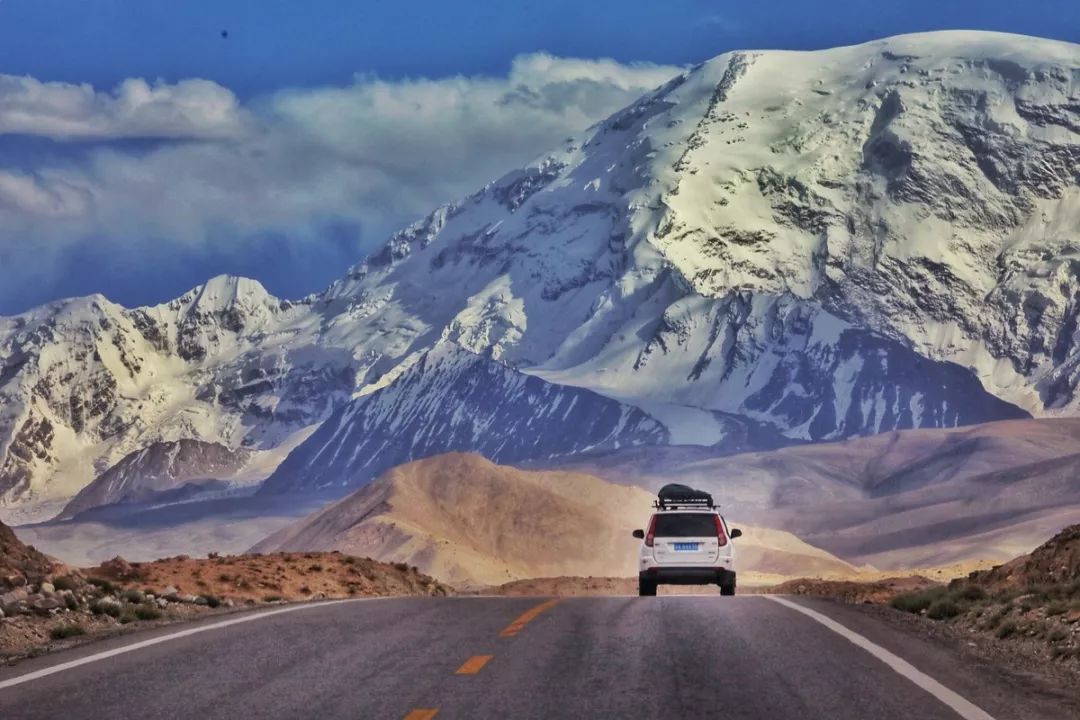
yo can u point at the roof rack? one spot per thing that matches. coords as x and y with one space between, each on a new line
675 496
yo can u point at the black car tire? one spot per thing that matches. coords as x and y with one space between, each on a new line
646 588
727 587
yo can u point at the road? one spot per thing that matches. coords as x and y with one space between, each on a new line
424 659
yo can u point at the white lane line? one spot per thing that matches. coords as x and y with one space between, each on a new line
164 638
963 707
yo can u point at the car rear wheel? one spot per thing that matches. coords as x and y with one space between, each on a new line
646 588
727 587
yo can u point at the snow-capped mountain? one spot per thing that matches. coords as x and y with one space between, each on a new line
452 399
827 244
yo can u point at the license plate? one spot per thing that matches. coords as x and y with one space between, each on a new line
687 547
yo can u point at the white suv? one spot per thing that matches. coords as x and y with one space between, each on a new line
688 543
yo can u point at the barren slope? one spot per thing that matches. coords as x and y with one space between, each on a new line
468 521
897 500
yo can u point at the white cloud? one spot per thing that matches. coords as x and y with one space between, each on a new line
136 108
375 153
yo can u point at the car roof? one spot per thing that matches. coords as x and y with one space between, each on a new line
702 511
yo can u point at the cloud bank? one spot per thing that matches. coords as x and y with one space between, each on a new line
153 169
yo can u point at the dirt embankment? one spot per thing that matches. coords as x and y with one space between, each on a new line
44 604
1028 607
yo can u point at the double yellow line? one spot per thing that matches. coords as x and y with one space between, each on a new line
476 663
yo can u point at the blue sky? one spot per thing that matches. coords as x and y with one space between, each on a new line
141 151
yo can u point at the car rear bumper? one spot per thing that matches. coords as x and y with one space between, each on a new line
687 575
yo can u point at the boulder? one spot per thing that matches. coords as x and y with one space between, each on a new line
14 596
118 568
47 588
44 605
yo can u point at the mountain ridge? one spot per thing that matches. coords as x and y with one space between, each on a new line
830 243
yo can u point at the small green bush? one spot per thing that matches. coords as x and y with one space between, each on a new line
65 631
943 610
1006 630
147 612
102 607
65 582
1056 608
1057 634
272 598
70 602
126 617
102 584
133 596
212 600
316 568
919 600
972 593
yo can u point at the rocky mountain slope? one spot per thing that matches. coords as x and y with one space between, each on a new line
470 522
825 244
451 399
161 471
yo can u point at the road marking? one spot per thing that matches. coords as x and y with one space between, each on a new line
474 664
422 714
526 617
164 638
963 707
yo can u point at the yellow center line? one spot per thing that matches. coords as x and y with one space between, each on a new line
473 664
525 618
422 714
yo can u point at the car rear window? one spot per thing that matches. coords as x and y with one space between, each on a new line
685 525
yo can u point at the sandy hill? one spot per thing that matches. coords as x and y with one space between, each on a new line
468 521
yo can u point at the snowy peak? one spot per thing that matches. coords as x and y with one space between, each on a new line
816 245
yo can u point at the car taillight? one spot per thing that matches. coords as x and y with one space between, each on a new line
721 536
651 534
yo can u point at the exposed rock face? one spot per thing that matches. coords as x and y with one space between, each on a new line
828 244
1057 561
156 472
20 565
451 399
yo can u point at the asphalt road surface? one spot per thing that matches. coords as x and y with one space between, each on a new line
664 658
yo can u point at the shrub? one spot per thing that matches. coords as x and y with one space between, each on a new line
105 607
212 600
943 610
65 582
1056 608
224 577
65 631
316 568
70 602
1057 634
919 600
102 584
133 596
972 593
1006 630
126 617
147 612
272 598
